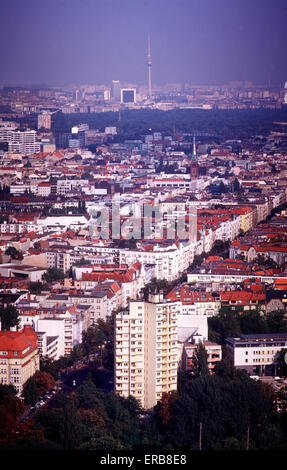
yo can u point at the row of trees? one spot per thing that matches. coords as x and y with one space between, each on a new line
231 323
219 412
227 410
36 386
97 342
136 123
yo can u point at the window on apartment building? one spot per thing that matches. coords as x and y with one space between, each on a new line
15 380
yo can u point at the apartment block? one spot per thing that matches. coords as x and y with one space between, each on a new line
146 354
213 351
19 357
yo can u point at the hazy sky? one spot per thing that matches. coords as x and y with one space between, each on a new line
60 42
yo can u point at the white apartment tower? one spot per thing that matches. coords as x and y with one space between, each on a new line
146 355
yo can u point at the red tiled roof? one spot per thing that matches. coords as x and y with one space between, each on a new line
18 341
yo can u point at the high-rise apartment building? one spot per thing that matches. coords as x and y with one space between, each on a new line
146 354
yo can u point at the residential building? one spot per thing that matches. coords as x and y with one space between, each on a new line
213 351
19 357
146 355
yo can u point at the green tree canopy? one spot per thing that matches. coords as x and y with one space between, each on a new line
199 365
53 274
31 392
9 317
14 253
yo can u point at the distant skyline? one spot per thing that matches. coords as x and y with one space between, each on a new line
211 42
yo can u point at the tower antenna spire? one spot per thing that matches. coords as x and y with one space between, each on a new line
149 67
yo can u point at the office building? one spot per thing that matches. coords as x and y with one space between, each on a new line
116 90
257 354
128 95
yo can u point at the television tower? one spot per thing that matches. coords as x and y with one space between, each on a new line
149 68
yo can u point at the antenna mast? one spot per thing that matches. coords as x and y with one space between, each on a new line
149 67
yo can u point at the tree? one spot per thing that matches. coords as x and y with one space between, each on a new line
282 362
223 325
36 385
36 287
224 408
44 381
71 428
276 322
15 254
164 408
9 317
199 361
54 274
252 323
31 392
99 339
220 248
11 408
155 285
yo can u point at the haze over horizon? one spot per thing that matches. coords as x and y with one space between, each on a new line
94 42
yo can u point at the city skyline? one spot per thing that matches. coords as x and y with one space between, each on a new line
208 44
